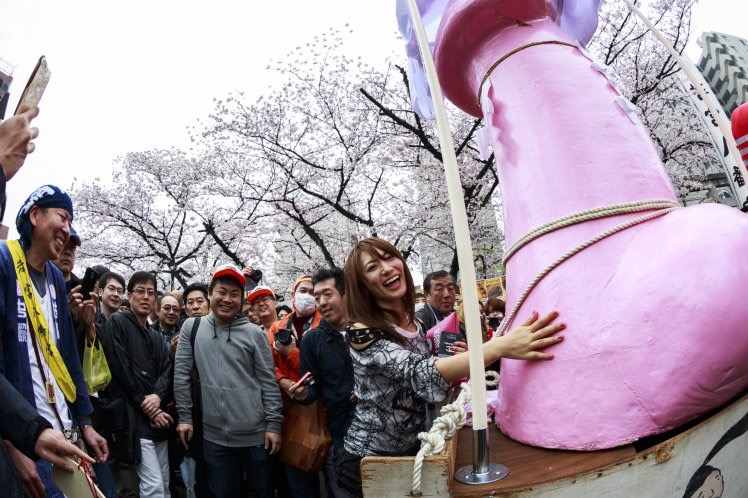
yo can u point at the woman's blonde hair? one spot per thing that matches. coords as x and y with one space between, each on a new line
461 320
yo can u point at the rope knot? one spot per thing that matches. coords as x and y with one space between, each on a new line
431 443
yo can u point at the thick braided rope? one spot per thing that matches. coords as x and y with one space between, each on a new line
584 245
452 419
587 215
492 378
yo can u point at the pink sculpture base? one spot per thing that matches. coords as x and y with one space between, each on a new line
651 343
657 326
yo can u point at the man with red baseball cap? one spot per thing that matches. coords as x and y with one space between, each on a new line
241 403
262 300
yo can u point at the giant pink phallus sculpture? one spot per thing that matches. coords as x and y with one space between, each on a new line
657 322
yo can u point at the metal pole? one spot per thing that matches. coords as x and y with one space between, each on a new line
482 471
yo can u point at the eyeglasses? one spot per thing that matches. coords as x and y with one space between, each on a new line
169 308
141 291
115 290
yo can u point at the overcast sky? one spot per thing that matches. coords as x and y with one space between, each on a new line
134 75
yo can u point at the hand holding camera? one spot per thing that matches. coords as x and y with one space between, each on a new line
285 342
252 277
494 322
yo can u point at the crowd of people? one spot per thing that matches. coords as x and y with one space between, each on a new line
201 378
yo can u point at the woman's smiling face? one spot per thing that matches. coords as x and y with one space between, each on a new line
384 276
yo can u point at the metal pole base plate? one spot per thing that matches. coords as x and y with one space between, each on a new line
495 472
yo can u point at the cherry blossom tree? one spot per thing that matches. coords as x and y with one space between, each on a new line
162 214
344 157
647 75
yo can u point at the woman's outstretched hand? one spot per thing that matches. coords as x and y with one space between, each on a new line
522 343
526 341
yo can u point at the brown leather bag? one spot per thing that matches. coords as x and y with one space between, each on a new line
306 439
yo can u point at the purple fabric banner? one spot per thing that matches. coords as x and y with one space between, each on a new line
579 19
431 13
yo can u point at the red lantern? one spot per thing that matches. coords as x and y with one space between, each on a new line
740 130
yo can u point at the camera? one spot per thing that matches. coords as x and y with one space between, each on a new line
283 336
253 279
494 322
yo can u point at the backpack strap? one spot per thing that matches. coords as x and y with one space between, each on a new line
193 335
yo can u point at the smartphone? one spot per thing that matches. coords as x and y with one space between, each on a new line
89 282
305 379
446 343
35 87
5 81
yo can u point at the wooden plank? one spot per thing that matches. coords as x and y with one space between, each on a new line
670 468
393 476
530 466
451 450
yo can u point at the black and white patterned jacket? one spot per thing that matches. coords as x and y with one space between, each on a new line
392 383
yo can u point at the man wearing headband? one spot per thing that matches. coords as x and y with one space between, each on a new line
39 353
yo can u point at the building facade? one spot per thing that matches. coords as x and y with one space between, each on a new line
724 64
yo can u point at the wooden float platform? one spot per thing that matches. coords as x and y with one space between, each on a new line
530 466
661 465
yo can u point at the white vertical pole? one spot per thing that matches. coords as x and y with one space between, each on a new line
462 234
724 126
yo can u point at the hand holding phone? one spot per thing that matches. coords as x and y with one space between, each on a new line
89 283
35 87
16 141
305 380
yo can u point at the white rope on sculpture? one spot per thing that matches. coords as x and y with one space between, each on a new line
584 245
492 378
452 418
587 215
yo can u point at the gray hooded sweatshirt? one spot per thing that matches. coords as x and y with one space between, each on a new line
240 396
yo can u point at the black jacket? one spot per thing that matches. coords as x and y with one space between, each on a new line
324 352
140 366
429 317
19 422
73 282
21 425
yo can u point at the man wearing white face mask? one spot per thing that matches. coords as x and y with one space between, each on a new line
285 334
284 337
